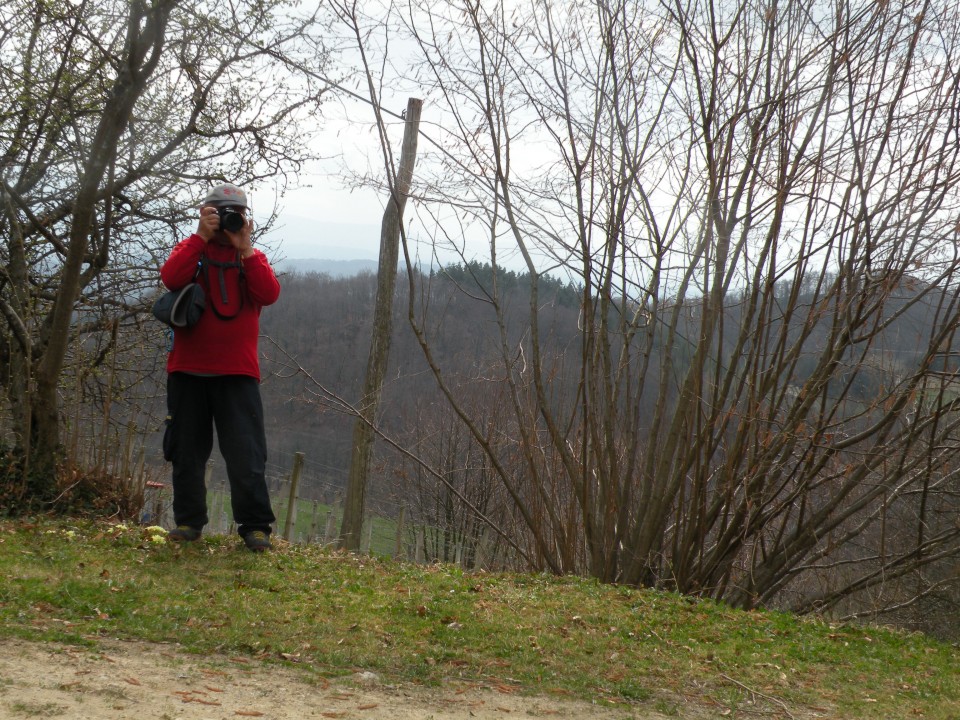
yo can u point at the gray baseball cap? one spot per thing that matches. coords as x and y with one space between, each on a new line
226 194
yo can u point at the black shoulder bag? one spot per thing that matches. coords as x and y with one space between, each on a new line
183 307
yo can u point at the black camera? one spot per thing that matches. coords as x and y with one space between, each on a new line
231 219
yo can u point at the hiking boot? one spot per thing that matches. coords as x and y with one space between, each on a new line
184 533
257 541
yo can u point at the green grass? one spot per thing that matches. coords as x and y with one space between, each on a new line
334 614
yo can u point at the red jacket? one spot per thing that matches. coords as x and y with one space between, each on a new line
217 346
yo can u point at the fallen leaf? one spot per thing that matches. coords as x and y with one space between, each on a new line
248 713
132 681
369 706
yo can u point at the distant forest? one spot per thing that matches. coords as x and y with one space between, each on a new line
315 341
317 337
314 345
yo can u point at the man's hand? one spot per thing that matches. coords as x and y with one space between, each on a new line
241 240
209 223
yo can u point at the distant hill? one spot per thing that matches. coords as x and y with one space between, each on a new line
333 268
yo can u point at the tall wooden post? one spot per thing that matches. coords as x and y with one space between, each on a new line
352 525
290 525
399 546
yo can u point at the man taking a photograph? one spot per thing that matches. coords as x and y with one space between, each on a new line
214 370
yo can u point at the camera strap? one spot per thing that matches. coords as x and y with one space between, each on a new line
221 276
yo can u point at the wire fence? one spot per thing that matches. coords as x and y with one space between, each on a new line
307 503
308 509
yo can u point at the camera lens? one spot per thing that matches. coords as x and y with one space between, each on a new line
231 220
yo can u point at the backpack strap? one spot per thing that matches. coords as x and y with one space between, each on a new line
221 266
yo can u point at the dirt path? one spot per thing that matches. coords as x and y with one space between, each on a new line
140 681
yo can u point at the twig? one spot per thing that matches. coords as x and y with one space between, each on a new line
750 690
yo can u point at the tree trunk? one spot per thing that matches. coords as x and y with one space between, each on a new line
145 38
363 436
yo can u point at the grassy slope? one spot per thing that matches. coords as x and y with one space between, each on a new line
333 614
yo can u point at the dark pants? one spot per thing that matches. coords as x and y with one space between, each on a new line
232 402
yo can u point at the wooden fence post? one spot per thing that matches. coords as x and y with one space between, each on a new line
330 532
399 546
292 500
312 536
479 551
420 553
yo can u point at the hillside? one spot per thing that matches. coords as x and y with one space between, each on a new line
91 593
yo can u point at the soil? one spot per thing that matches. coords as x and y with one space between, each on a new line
142 681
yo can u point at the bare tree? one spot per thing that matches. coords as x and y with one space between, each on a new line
114 116
754 199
